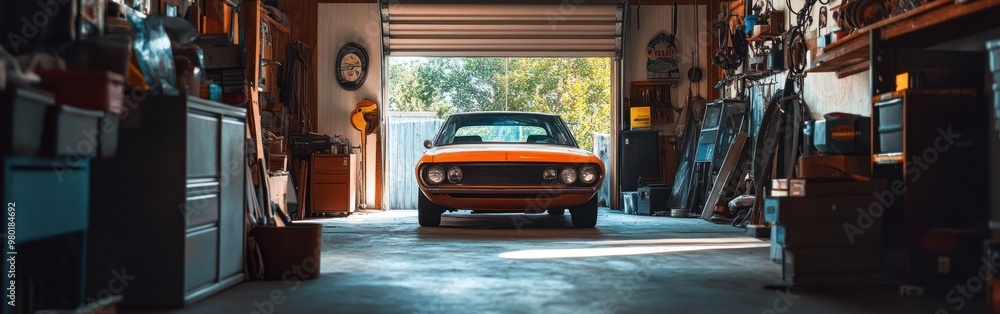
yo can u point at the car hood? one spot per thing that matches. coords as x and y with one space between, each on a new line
508 153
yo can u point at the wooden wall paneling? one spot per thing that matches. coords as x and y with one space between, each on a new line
714 73
216 18
670 2
279 37
305 22
378 170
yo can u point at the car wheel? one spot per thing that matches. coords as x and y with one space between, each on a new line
557 212
585 216
429 214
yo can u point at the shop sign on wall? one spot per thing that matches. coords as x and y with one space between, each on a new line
663 62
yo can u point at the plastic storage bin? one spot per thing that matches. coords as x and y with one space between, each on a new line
22 121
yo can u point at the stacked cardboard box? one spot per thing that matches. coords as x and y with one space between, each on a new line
826 231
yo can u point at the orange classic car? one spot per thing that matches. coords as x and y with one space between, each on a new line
507 161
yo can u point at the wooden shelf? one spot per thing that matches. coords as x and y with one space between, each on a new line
762 37
757 75
930 24
650 104
940 21
278 26
846 53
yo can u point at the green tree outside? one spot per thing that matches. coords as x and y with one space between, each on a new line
578 89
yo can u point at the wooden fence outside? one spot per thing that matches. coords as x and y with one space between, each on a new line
405 146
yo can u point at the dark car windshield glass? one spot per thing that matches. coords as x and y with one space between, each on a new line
504 128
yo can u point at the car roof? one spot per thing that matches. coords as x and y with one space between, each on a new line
504 112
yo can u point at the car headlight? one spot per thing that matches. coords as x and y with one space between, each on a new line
550 174
588 174
454 174
568 175
435 175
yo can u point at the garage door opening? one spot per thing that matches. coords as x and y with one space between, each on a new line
423 91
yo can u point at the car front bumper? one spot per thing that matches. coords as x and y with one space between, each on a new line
503 199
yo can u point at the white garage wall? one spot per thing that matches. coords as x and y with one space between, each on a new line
826 93
658 18
339 24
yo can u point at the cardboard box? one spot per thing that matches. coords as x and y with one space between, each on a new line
834 166
822 187
948 241
834 261
787 210
277 162
822 234
834 279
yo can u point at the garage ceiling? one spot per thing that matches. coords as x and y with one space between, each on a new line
570 28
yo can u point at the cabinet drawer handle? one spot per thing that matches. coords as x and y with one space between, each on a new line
44 168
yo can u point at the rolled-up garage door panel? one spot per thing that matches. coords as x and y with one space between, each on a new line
572 28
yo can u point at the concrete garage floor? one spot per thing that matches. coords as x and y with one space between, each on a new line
383 262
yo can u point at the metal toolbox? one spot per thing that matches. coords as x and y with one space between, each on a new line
653 198
846 135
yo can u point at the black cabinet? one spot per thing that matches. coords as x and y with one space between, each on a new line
931 146
639 157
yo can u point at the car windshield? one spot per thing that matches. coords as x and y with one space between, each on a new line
504 128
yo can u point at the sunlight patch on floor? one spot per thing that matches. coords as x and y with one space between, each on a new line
622 251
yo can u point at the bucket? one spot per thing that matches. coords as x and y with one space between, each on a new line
291 251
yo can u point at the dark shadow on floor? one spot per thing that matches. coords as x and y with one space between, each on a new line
464 225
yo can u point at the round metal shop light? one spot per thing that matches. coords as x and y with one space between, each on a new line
568 175
435 175
550 174
588 174
454 174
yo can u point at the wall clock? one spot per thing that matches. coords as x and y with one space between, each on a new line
352 66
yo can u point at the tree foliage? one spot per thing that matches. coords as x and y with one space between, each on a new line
579 89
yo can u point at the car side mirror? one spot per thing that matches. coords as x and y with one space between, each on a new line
428 144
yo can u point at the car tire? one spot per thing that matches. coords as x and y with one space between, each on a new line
428 214
557 212
585 216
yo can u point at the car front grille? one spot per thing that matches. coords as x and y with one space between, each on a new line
503 175
507 175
